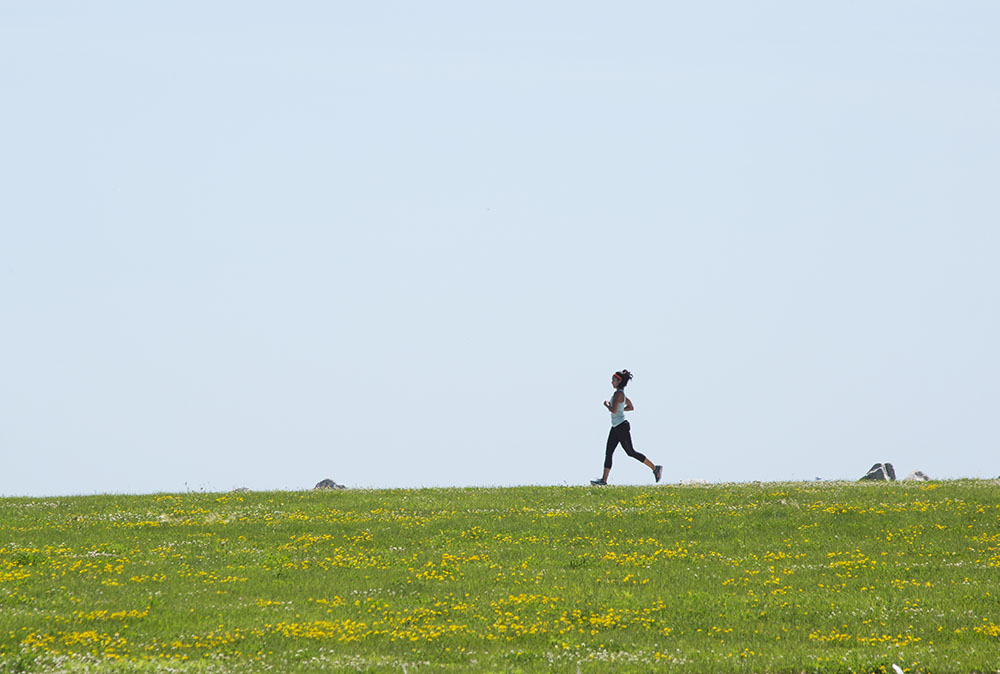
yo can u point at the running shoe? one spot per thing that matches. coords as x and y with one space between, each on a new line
657 472
599 482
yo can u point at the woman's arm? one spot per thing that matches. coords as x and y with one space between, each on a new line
628 405
615 400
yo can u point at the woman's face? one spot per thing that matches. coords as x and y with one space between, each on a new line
615 380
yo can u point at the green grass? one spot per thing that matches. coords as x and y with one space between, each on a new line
785 577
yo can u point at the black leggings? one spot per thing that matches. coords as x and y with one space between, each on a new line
621 434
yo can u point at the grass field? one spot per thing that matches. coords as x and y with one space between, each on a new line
783 577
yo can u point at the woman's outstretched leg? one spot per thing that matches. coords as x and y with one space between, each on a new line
609 451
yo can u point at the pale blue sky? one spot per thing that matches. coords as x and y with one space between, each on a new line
405 244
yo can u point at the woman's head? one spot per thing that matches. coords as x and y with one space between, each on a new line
620 379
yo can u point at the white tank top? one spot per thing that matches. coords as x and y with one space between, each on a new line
617 411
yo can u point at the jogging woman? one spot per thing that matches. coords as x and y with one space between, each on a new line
621 432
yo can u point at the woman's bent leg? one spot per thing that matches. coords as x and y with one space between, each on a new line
626 439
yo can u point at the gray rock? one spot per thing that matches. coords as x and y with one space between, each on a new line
328 484
917 475
880 472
